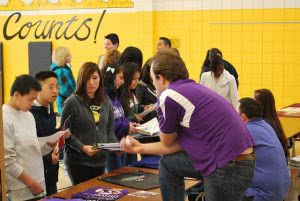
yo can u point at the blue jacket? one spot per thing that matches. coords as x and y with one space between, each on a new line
46 125
121 123
271 180
66 83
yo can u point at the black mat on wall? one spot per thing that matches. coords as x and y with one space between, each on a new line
39 56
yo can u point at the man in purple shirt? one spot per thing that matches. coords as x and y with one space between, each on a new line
202 136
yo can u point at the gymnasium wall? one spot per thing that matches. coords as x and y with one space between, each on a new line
259 37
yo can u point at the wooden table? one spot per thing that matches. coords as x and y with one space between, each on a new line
291 124
290 121
95 182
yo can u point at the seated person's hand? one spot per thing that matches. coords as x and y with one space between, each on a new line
90 150
132 128
150 107
131 145
138 118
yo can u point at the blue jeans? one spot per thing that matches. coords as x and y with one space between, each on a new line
225 184
128 159
112 161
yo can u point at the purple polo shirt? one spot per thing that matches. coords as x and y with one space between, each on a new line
208 127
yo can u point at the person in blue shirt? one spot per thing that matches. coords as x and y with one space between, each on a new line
271 179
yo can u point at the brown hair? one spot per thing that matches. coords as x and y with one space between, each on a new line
111 59
85 73
267 103
169 65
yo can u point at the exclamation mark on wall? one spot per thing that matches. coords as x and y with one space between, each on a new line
99 22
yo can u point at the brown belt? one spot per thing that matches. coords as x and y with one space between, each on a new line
245 157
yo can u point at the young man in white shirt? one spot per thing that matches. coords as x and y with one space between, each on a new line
22 150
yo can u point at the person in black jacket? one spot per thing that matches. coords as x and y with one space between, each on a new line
145 91
212 53
45 119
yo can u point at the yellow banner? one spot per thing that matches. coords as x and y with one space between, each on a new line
6 5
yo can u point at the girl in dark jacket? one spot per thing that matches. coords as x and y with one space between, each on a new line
113 80
91 122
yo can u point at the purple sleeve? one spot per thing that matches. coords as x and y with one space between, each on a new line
121 127
170 114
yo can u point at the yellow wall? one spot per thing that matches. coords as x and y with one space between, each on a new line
133 29
261 44
65 4
2 169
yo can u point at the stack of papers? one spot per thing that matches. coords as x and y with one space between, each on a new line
295 161
109 146
291 110
149 128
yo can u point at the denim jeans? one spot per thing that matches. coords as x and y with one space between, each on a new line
128 159
224 184
112 162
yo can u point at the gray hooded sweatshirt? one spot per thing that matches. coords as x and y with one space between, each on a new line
86 132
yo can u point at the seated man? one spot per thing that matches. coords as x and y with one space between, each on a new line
271 179
202 136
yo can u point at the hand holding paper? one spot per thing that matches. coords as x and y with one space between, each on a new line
109 146
67 134
54 138
149 128
148 109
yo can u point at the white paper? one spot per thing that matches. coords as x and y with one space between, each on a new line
115 144
149 128
109 146
296 159
291 110
143 194
54 137
149 110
